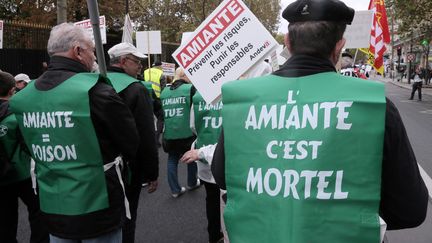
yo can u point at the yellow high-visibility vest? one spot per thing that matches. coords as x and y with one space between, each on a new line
154 79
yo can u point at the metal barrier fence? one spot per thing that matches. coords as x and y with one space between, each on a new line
24 48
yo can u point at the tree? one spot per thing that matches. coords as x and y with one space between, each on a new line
38 12
61 11
174 17
415 18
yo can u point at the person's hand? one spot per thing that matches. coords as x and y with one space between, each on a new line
189 156
152 187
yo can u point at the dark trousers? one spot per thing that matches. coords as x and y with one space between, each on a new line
213 211
416 86
9 212
133 195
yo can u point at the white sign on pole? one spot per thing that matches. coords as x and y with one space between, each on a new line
149 42
168 69
86 24
358 34
1 34
185 37
223 47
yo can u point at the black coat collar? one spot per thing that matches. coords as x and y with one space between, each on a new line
303 65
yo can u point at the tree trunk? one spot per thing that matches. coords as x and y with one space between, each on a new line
61 11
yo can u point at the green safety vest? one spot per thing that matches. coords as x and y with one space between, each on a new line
176 106
153 76
303 158
208 121
120 81
20 160
148 87
60 135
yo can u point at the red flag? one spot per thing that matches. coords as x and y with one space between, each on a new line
379 34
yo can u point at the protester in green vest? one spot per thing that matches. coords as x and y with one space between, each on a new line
16 183
22 81
177 135
206 123
154 75
308 155
80 133
125 64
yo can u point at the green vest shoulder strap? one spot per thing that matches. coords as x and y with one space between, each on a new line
176 104
59 132
298 154
120 81
148 87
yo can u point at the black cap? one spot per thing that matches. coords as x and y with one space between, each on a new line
318 10
157 63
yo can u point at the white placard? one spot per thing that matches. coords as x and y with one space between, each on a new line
185 37
1 34
358 34
223 47
168 69
86 24
149 42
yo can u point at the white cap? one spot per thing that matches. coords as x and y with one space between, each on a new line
124 48
22 77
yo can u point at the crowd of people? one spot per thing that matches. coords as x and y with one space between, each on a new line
288 156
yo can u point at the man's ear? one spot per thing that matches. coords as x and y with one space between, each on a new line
287 42
11 91
76 52
335 55
123 60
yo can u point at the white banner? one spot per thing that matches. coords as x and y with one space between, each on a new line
168 69
223 47
86 24
1 34
149 42
127 30
358 34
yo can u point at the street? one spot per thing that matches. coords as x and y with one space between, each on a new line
417 117
163 219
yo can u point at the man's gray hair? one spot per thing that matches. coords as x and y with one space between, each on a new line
65 36
116 60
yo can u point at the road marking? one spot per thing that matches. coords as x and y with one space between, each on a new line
427 112
427 180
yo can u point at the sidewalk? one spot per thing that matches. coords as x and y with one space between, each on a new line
426 89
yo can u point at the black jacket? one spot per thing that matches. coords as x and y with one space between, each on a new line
404 196
117 135
137 98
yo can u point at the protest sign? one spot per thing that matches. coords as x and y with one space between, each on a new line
223 47
185 37
168 69
358 34
86 24
1 34
149 42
